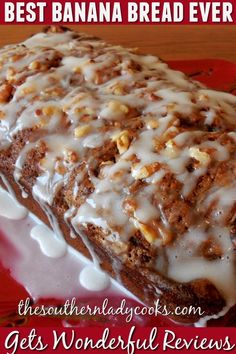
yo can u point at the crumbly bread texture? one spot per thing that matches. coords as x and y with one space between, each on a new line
132 162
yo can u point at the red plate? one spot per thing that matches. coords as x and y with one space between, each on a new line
217 74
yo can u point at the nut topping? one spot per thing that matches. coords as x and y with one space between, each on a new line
202 157
82 131
122 141
171 149
118 107
145 171
148 231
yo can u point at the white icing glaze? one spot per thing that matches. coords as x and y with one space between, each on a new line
49 243
224 199
49 277
10 208
93 279
203 321
185 265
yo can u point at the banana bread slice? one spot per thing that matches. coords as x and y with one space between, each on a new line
132 162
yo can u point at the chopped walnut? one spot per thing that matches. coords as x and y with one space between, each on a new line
160 142
35 65
49 111
152 124
171 150
117 107
122 141
81 131
117 89
145 171
148 231
202 157
10 75
164 232
53 92
28 90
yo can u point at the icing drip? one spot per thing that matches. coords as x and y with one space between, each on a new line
57 270
93 279
49 244
10 208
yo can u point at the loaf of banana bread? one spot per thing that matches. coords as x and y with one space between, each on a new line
132 162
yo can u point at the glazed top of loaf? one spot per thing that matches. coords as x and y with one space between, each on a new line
143 148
